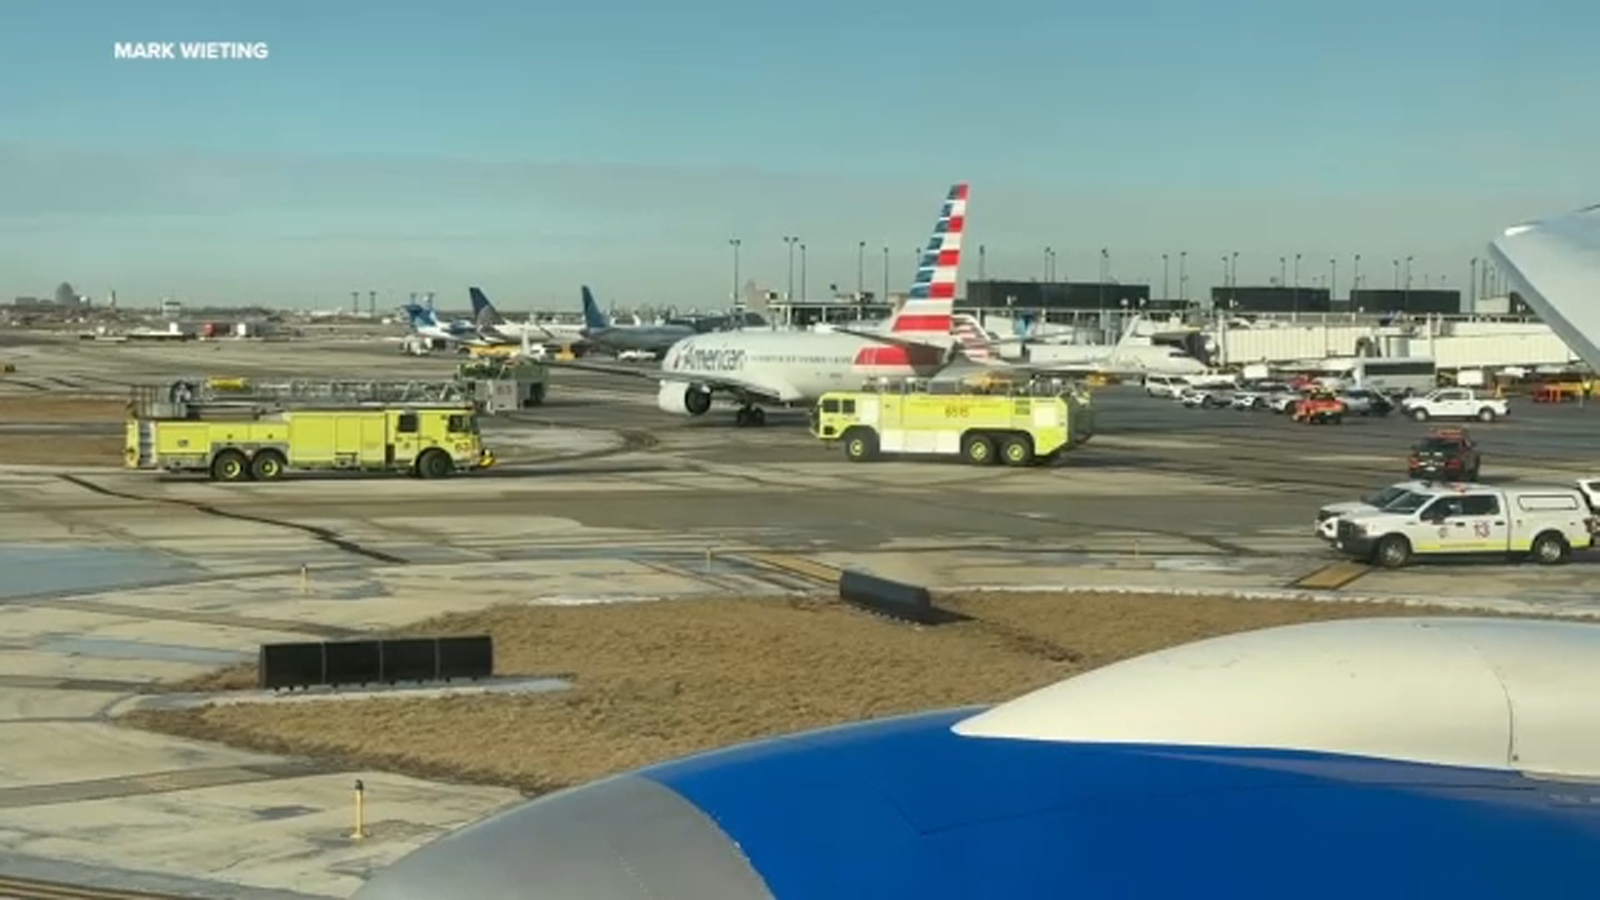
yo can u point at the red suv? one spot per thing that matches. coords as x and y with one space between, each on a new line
1446 454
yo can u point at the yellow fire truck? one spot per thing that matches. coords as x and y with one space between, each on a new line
174 431
1017 426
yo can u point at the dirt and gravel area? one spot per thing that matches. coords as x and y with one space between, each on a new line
54 429
657 680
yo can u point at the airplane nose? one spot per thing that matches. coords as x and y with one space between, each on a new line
625 838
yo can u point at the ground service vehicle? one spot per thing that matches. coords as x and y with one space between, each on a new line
1445 454
1020 427
1544 523
1319 408
254 441
1454 403
1366 402
1403 375
1165 385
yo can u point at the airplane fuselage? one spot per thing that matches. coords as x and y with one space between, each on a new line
1125 359
798 366
650 338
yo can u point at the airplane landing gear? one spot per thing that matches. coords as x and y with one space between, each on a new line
750 415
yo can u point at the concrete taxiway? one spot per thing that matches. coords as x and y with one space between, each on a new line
118 581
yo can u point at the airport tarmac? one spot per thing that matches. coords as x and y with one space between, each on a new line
603 498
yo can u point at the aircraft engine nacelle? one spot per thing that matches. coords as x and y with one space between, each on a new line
682 398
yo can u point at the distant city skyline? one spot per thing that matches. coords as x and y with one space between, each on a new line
397 147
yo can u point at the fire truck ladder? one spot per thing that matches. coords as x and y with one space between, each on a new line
305 392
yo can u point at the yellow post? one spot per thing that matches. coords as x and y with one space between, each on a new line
360 830
305 579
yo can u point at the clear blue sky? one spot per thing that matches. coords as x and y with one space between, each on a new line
533 146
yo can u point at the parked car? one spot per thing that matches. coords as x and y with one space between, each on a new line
1205 398
1259 395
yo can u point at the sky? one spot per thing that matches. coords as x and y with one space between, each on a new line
531 146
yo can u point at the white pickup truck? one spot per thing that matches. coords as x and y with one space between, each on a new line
1546 524
1454 403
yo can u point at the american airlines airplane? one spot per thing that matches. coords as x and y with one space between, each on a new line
789 368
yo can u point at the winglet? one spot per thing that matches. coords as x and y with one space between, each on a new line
931 301
592 316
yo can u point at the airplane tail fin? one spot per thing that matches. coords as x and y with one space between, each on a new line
420 316
483 312
975 344
926 314
592 316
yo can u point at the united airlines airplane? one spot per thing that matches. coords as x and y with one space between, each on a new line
1381 759
1555 264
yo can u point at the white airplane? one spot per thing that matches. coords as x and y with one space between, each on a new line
794 368
1555 265
496 327
1132 355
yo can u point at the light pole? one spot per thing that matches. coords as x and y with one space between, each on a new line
1049 268
1227 289
734 243
1396 273
802 273
1283 271
861 268
1183 275
885 297
1105 273
1233 270
1166 281
982 251
1355 277
1297 284
1333 278
1408 271
791 241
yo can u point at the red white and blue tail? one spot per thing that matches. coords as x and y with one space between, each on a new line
925 316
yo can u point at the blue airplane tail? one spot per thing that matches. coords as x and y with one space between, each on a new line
421 316
483 312
592 316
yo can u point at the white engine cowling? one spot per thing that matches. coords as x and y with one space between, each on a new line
682 398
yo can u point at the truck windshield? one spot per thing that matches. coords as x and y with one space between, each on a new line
1407 502
1384 497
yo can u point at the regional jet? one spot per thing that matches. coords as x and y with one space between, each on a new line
425 324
